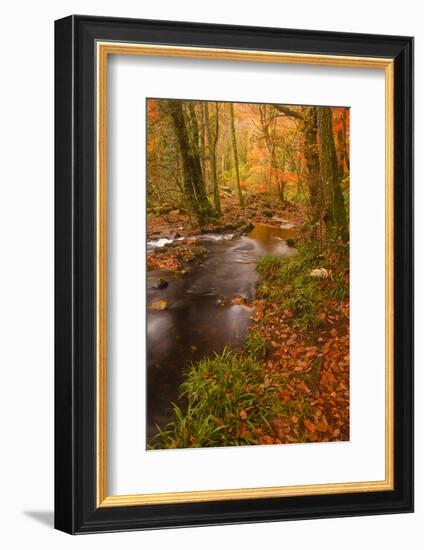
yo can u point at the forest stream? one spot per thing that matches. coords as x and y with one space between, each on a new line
200 316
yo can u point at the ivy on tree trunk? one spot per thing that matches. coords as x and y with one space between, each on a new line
212 140
194 187
335 214
310 132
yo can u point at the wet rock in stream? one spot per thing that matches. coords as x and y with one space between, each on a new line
159 284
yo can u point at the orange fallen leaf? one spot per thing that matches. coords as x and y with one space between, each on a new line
310 426
243 414
322 427
239 301
244 432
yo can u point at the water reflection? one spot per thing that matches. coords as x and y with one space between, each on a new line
273 237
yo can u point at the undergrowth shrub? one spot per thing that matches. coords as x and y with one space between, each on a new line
227 396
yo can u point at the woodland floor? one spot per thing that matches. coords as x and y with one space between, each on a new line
306 366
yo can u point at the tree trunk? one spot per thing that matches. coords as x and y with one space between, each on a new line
335 215
346 151
310 132
341 150
281 182
212 140
202 141
233 134
193 129
269 126
194 187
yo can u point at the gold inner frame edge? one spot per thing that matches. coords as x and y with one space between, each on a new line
103 49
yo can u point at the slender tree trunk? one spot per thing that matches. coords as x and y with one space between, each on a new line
269 129
341 151
212 140
310 132
335 215
193 128
272 159
194 187
233 134
267 138
346 150
202 141
281 182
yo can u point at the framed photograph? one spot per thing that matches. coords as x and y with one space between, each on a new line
234 274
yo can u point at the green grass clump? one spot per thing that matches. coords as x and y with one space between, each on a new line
287 281
269 267
228 396
255 345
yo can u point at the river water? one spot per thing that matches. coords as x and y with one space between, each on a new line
200 318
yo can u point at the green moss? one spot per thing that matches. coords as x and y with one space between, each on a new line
287 282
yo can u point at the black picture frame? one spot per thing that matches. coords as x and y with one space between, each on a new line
76 510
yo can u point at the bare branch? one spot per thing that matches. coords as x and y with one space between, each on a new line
289 112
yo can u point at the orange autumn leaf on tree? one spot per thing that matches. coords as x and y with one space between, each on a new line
251 186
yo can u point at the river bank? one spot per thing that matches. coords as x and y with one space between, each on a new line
200 290
240 299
